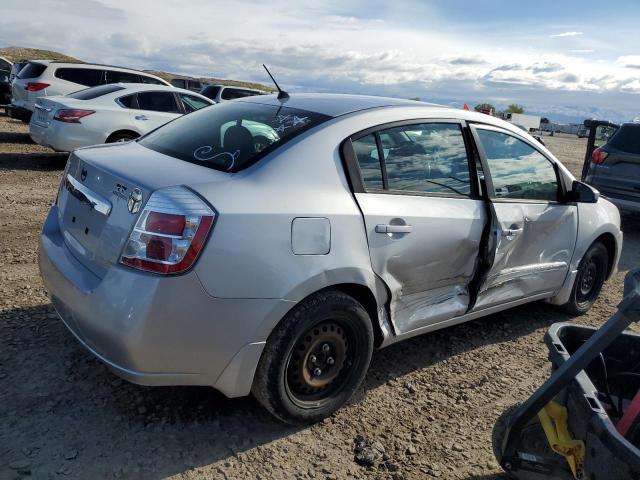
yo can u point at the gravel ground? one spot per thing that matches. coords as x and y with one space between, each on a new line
426 409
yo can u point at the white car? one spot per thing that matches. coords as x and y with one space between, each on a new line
108 113
49 78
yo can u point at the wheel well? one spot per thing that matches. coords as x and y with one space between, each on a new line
118 132
609 242
366 298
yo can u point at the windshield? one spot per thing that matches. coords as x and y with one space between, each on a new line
232 135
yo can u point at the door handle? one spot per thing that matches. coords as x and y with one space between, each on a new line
394 228
141 117
512 232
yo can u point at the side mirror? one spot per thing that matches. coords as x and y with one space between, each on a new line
582 193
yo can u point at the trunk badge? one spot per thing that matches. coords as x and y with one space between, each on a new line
135 201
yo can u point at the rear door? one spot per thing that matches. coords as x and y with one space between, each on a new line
423 216
533 233
154 109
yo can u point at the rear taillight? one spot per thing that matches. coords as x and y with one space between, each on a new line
71 115
35 86
170 232
599 156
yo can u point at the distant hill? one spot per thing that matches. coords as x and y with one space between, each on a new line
16 54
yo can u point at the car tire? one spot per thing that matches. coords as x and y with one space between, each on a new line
121 137
315 359
592 273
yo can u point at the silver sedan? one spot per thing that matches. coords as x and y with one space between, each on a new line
268 245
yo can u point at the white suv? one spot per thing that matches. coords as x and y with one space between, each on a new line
45 78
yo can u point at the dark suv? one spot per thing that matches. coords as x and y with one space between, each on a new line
615 168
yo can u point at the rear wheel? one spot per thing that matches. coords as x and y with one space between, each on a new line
120 137
315 359
592 272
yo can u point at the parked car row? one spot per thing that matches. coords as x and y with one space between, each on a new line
72 105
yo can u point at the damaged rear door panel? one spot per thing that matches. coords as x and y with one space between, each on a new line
423 216
533 233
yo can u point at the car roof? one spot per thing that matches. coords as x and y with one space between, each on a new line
335 105
145 87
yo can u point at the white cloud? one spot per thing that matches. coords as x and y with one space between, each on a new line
325 47
566 34
629 61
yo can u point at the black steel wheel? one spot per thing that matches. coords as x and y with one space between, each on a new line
592 273
315 359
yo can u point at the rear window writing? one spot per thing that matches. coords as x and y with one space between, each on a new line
627 139
95 92
231 136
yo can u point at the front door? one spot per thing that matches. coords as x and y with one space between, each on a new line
533 232
423 218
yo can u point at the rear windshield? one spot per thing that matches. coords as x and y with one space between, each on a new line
95 92
627 139
32 70
230 136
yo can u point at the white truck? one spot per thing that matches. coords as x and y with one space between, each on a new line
529 122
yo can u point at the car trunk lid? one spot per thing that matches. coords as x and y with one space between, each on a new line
99 185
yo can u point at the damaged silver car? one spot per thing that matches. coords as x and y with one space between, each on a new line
268 245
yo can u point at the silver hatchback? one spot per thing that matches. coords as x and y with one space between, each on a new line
269 246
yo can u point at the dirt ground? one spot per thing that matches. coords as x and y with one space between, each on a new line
430 402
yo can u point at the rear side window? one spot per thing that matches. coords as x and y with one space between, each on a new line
627 139
232 93
231 136
32 70
114 76
426 158
192 103
82 76
95 92
158 102
517 169
367 155
128 101
151 81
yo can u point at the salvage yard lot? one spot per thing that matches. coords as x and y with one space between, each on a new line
430 402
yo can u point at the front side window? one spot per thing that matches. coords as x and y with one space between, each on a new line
89 77
426 158
192 103
158 102
517 169
231 136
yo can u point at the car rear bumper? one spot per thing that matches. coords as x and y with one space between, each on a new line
155 330
60 136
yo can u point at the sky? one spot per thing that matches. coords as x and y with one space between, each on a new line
566 60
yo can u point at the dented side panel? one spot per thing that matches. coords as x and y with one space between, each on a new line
428 269
532 248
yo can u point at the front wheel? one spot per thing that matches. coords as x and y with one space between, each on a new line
592 272
315 359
